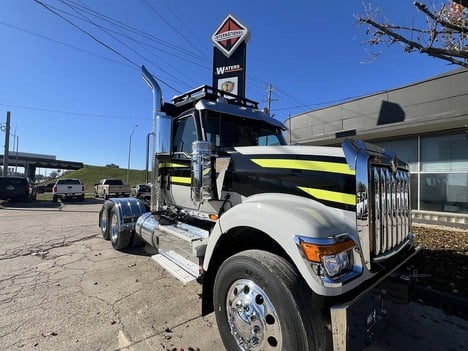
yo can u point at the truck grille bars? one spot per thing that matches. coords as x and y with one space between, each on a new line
383 206
389 215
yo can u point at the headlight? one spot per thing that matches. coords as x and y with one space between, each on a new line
335 258
335 264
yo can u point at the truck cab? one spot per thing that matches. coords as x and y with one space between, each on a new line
205 117
290 243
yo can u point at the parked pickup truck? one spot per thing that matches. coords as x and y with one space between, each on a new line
71 188
107 187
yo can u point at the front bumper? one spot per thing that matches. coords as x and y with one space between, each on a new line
352 321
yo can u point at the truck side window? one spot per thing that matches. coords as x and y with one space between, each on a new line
184 134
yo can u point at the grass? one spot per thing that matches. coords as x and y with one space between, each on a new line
90 175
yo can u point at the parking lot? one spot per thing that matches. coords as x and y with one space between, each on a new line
62 287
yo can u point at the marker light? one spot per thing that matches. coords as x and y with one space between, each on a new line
315 252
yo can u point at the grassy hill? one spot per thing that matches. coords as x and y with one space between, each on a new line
90 175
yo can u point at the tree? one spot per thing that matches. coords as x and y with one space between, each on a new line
444 36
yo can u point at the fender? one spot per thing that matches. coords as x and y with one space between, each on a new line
283 217
129 209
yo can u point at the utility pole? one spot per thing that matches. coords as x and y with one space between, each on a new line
7 144
269 99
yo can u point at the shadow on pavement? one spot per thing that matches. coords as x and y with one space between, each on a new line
48 204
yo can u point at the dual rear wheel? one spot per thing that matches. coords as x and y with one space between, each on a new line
111 228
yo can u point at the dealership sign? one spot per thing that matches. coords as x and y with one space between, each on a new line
229 56
229 35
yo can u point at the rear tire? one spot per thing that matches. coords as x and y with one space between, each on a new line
119 237
104 215
261 303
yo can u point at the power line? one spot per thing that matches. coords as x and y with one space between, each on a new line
73 113
123 27
105 30
134 30
98 41
172 26
64 44
85 32
183 24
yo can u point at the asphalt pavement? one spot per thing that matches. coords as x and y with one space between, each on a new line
62 287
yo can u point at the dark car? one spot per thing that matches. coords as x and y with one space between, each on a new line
49 187
17 189
142 191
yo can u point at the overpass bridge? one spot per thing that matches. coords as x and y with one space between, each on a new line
30 162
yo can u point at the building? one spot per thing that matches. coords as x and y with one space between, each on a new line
425 123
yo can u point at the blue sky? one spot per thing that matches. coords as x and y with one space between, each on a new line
72 97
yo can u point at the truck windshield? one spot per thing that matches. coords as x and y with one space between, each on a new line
228 131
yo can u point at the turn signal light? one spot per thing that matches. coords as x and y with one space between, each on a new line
315 252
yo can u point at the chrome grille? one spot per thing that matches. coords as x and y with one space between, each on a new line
389 213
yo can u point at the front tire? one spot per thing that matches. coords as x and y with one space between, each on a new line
119 237
261 303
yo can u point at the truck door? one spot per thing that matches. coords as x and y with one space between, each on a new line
178 172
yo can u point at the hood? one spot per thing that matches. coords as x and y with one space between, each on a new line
320 173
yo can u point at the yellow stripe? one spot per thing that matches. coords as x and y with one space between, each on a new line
328 195
183 180
172 165
305 165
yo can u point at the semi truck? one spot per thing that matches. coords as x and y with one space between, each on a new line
271 231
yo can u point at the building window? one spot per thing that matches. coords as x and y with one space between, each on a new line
405 149
439 170
444 173
444 153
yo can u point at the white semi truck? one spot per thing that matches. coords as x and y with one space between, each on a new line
271 231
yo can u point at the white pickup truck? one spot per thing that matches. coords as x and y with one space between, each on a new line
68 189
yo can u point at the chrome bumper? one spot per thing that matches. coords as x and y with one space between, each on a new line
353 320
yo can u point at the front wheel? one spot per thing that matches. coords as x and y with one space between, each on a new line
261 303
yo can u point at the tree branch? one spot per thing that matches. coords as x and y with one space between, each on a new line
421 7
444 54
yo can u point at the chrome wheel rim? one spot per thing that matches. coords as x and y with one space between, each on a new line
252 317
114 229
103 224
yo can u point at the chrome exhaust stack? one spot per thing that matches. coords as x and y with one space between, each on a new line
162 131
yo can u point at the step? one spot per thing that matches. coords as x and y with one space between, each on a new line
177 265
184 232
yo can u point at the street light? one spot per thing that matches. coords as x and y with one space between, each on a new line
129 148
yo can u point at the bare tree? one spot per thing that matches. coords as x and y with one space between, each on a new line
444 35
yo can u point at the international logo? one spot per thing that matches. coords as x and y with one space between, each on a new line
229 35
